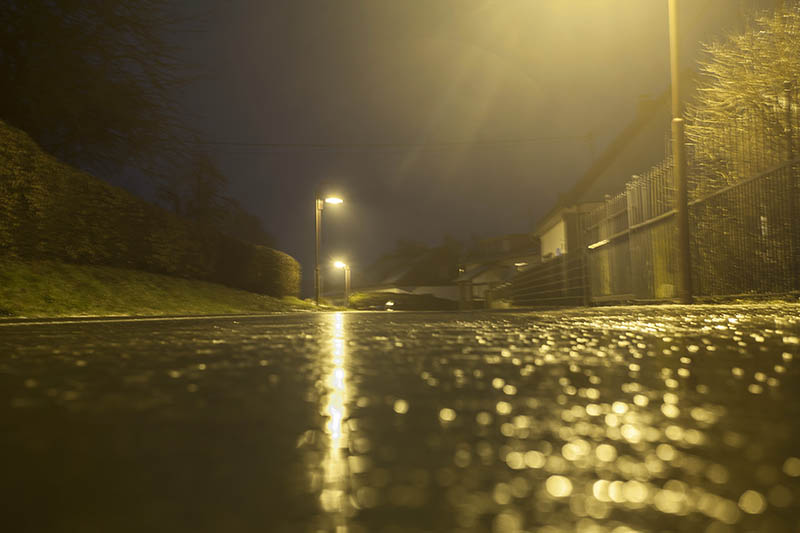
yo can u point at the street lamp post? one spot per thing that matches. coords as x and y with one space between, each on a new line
679 163
319 204
346 267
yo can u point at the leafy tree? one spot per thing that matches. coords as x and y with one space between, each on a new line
740 125
90 80
738 121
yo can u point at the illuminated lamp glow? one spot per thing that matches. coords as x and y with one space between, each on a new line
598 244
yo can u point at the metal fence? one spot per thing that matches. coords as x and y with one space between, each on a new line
745 236
560 281
744 232
630 240
744 218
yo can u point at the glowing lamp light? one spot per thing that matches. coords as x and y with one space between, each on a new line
333 200
339 264
598 244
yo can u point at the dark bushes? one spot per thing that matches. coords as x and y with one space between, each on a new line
51 210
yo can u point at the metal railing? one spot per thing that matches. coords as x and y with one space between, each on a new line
745 236
744 232
559 281
744 219
631 240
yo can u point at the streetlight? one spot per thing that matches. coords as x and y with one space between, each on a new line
320 201
679 163
346 267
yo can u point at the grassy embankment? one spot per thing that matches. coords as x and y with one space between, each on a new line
54 289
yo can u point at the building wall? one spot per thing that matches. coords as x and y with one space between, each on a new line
554 240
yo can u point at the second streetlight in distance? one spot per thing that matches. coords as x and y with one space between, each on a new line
346 267
320 200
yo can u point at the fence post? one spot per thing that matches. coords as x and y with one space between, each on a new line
788 87
679 166
631 254
582 242
787 93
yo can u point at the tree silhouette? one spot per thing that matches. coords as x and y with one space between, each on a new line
91 80
738 121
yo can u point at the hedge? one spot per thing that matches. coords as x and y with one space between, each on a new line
50 210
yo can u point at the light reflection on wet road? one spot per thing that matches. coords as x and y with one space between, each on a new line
334 494
610 420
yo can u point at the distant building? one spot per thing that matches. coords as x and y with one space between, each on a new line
414 268
560 279
640 143
491 262
559 232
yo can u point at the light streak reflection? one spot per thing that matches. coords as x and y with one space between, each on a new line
335 470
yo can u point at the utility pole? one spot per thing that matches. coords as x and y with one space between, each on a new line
679 166
787 94
319 203
347 286
788 88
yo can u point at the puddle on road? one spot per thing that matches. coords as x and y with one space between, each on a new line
603 424
596 421
334 496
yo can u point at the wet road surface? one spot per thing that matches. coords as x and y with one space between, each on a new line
613 420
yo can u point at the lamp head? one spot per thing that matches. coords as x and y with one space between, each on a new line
339 264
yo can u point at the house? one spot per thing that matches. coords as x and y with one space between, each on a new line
492 262
416 269
559 232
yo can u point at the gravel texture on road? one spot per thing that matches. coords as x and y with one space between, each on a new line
605 420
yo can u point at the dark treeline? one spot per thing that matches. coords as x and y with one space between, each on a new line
50 210
93 83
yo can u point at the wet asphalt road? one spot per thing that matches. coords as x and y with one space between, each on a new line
606 420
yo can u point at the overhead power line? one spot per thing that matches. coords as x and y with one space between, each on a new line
279 146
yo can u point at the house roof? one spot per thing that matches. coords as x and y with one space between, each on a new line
638 130
496 249
647 112
472 273
433 266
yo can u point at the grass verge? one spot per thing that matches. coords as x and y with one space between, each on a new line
54 289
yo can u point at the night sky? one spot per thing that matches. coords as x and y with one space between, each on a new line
435 117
